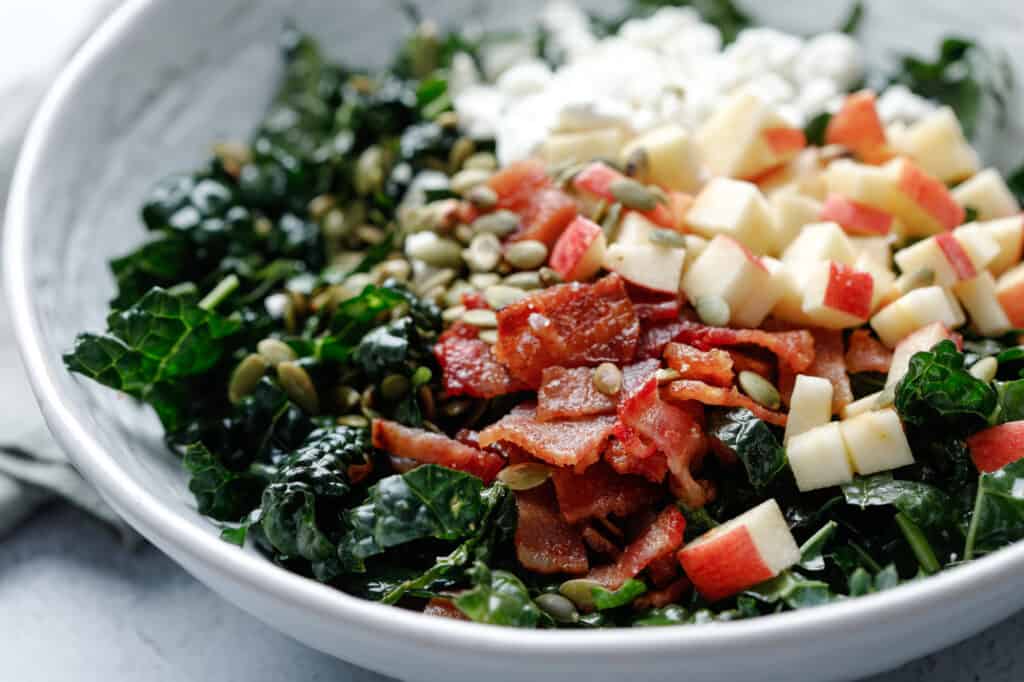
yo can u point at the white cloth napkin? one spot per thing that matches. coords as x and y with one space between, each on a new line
37 37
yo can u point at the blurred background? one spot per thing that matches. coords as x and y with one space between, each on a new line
84 598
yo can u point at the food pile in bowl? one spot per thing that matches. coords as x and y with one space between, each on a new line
656 320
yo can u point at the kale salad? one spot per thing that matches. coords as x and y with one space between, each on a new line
663 318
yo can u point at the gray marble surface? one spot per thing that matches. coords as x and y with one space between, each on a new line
78 604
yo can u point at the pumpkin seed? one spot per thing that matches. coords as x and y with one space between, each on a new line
482 280
233 155
482 160
465 180
489 336
669 238
246 377
666 375
435 295
500 295
482 196
453 297
464 233
483 254
558 607
298 386
713 310
441 278
367 401
275 351
611 221
500 223
426 397
369 175
566 175
527 280
985 369
346 398
370 234
633 194
397 268
356 421
481 318
460 152
453 313
524 476
760 389
394 387
434 250
447 119
527 254
607 378
549 277
580 591
320 205
637 163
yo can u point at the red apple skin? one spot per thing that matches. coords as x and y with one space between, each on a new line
746 252
997 446
784 140
956 256
849 290
568 258
931 195
858 127
1012 300
596 180
724 565
855 217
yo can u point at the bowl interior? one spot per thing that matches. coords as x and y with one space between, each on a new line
173 77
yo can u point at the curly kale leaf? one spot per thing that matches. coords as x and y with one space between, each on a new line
1011 401
291 525
793 590
998 517
428 502
754 443
926 505
221 493
937 388
161 262
498 598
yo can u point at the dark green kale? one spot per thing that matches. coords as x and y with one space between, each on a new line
862 582
754 443
1011 401
815 129
221 493
998 517
793 590
498 598
926 505
937 389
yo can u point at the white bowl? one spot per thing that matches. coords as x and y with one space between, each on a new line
146 96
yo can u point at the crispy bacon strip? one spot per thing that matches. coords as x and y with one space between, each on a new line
756 360
568 326
596 541
564 443
427 447
570 393
648 462
469 367
711 366
545 542
795 349
661 538
438 606
670 594
686 389
655 336
663 570
599 491
829 363
865 353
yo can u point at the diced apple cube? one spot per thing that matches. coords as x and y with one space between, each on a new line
987 194
884 279
749 549
818 458
837 296
729 270
923 339
744 137
1010 294
666 156
580 147
860 406
657 268
855 217
579 251
916 309
695 246
790 306
803 175
951 256
792 211
980 300
995 447
734 208
875 442
809 406
879 249
635 230
1008 234
937 144
858 127
818 242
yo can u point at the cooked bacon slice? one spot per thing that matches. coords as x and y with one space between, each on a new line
570 393
438 606
661 538
663 570
656 311
671 429
545 542
655 336
795 349
564 443
597 541
599 491
427 447
711 366
568 325
545 216
686 389
865 353
648 462
516 183
469 367
756 360
670 594
829 363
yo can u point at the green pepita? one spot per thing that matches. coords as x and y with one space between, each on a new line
610 223
460 152
394 387
485 319
580 591
500 223
482 160
369 175
465 180
607 378
434 250
346 398
356 421
370 234
633 194
453 313
549 277
482 196
275 351
527 254
441 278
524 476
500 295
558 607
713 310
297 384
483 254
453 297
246 377
482 280
320 205
760 389
669 238
527 280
